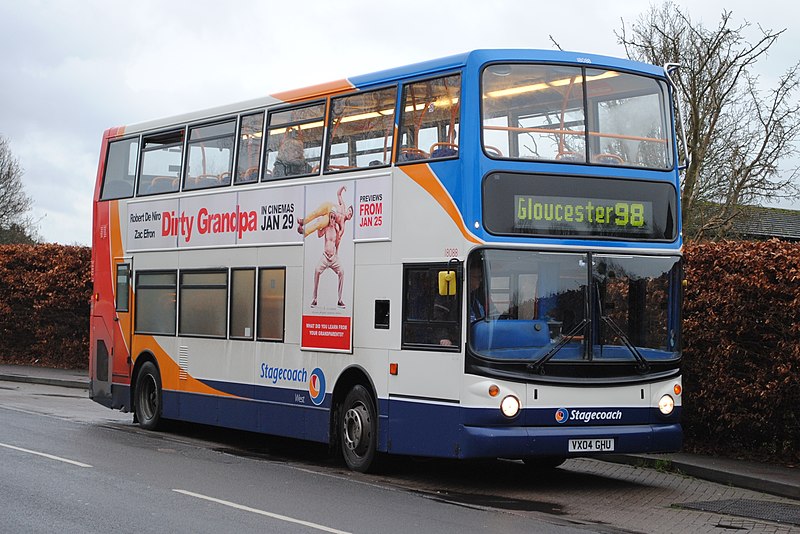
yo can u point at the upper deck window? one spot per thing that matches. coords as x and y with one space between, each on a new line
361 130
430 119
120 169
162 155
294 141
250 137
560 113
210 158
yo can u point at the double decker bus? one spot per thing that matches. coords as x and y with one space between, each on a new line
476 256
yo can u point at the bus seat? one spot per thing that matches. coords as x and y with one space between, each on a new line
443 150
493 151
508 334
249 175
570 156
162 184
411 154
608 159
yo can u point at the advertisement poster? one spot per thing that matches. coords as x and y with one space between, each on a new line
276 211
373 212
263 217
153 224
328 266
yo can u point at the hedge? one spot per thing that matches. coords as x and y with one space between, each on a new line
741 347
741 336
44 305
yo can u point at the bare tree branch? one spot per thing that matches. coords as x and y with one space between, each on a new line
555 43
737 136
14 202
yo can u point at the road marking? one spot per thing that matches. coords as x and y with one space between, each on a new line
50 456
261 512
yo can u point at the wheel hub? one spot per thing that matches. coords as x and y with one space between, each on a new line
354 423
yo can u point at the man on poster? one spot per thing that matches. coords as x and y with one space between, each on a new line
328 220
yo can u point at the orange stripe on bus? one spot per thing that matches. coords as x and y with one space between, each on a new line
115 236
170 371
313 91
424 177
116 252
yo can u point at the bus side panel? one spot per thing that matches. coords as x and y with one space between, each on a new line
99 362
424 428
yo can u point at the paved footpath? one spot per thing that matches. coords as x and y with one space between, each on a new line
605 497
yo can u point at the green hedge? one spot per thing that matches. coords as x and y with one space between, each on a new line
741 336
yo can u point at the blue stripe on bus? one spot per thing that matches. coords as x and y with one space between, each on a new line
267 417
426 429
453 431
478 57
417 70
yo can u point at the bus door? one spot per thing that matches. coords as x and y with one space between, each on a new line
122 330
425 384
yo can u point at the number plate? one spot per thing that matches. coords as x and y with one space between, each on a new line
591 445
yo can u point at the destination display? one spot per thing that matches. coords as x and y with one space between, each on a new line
579 206
542 214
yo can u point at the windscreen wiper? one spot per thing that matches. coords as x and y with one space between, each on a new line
537 366
642 365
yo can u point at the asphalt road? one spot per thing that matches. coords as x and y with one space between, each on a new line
70 465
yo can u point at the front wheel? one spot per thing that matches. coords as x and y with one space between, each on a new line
147 404
358 429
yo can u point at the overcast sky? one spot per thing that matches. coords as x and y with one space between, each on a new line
70 69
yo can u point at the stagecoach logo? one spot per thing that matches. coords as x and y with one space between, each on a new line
587 416
562 415
316 386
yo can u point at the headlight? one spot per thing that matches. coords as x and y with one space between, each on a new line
666 405
510 406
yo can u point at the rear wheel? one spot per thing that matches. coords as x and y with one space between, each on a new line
147 405
358 429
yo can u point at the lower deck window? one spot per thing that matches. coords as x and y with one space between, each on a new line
203 309
271 304
155 303
243 293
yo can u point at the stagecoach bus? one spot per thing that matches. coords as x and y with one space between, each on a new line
475 256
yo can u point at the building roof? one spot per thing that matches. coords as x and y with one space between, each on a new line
763 223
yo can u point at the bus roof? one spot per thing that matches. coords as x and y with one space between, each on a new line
475 57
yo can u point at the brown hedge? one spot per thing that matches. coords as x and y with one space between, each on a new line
741 336
742 349
44 305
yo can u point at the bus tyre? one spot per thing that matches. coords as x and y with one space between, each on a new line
147 401
358 429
